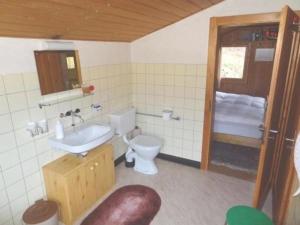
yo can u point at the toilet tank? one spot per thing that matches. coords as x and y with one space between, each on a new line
123 121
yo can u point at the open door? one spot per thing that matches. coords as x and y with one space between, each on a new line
290 127
276 99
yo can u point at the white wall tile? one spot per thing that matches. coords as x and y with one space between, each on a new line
9 222
7 141
18 219
13 83
6 124
5 215
9 159
35 194
44 158
17 101
34 97
42 145
3 198
33 180
16 190
2 88
30 166
22 136
19 205
12 175
31 81
36 114
2 185
20 118
3 105
27 151
52 111
177 86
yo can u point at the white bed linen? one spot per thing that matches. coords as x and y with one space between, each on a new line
239 114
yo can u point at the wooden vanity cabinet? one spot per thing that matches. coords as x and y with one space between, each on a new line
77 183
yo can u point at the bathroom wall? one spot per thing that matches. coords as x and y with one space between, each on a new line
106 65
187 40
177 86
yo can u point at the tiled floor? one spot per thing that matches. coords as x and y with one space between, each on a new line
189 195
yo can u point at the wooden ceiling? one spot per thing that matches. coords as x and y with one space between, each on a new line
100 20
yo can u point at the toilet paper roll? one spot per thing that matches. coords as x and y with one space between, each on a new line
167 114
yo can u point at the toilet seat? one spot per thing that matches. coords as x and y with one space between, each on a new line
145 142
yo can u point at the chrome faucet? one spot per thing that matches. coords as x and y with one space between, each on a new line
73 114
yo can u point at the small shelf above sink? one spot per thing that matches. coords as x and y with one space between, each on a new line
63 99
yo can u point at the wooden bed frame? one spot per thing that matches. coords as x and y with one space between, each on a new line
237 140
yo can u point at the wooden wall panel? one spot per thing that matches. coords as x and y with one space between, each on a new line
101 20
257 74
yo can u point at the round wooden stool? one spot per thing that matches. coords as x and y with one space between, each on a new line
245 215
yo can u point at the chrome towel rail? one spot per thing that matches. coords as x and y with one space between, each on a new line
159 116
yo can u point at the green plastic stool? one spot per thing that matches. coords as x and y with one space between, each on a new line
245 215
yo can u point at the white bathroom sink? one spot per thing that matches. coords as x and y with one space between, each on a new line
83 139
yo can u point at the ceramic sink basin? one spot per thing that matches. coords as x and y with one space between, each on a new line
83 139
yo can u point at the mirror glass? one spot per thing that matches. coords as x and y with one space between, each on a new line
58 70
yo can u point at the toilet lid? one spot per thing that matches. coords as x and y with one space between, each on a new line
146 141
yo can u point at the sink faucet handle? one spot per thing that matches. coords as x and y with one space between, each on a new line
68 113
77 110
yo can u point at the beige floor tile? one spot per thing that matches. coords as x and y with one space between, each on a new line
189 195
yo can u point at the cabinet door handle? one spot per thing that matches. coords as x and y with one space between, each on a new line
91 168
96 164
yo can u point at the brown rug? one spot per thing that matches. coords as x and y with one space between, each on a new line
129 205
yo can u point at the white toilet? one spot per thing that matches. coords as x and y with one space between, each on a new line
142 149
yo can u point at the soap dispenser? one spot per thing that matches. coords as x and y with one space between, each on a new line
59 130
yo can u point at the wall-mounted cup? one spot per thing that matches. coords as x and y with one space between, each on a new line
43 126
32 128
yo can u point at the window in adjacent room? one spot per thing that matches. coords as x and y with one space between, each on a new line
232 62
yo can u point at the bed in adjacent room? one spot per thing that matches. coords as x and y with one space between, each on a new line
238 118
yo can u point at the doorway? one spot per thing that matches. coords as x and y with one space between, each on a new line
245 62
274 114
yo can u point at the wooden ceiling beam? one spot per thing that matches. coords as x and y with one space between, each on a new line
202 3
164 7
97 8
188 6
148 11
123 20
43 21
63 32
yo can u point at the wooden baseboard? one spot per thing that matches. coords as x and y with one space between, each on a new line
237 140
232 172
171 158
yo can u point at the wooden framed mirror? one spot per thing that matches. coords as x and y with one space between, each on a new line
58 70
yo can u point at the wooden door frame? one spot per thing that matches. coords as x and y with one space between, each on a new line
212 67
